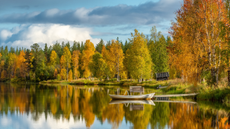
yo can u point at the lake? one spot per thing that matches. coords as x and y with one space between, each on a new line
79 107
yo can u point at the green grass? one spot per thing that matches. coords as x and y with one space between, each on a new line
217 94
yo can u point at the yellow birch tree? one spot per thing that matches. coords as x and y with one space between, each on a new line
138 57
66 60
114 57
75 63
86 58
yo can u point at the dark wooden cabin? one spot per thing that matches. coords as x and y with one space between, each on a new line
162 76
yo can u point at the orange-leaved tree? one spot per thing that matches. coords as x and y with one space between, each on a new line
66 60
75 63
21 64
197 41
114 57
86 58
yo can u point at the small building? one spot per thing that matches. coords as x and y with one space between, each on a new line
162 76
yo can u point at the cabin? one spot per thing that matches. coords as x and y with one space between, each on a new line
162 76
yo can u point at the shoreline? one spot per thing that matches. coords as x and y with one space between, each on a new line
176 86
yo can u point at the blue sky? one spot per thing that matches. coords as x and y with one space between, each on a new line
24 22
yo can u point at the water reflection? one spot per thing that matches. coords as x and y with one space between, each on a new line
37 106
132 102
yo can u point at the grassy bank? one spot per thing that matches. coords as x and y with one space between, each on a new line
112 82
175 86
214 94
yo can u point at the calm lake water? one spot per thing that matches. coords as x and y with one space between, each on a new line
79 107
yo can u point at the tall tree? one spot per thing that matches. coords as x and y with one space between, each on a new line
226 51
53 58
197 41
38 62
53 64
98 66
109 69
66 60
114 58
21 64
58 49
82 46
27 63
99 46
75 46
158 51
11 64
46 52
75 63
86 58
138 58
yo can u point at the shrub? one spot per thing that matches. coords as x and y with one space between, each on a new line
58 77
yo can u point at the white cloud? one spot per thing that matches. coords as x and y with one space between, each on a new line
52 12
143 14
26 35
4 34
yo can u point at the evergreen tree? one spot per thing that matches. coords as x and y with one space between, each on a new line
79 46
27 63
82 46
158 51
46 52
12 50
99 46
67 45
5 53
17 51
1 50
74 47
38 62
108 44
58 49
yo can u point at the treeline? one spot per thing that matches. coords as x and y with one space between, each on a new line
138 58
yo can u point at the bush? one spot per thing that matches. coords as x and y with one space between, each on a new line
227 100
58 77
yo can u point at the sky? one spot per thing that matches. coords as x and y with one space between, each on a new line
24 22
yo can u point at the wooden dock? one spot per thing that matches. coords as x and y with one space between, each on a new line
175 95
174 101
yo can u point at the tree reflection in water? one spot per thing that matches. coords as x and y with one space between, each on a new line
91 104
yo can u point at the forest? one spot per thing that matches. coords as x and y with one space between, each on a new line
132 59
197 50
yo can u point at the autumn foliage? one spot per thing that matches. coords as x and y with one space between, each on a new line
197 50
199 38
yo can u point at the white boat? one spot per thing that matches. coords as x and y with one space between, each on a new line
150 102
132 97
